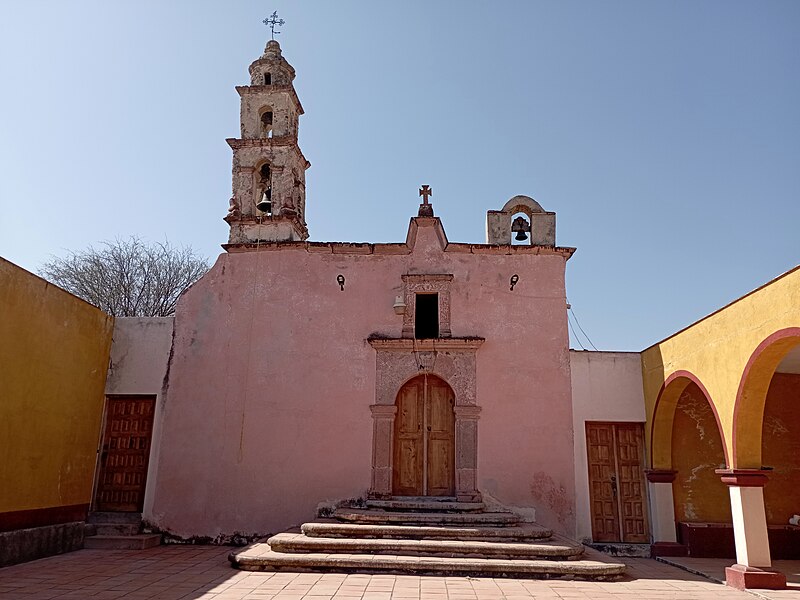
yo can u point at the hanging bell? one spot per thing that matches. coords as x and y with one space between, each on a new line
520 226
265 204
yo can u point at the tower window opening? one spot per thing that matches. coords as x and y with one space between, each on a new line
266 124
264 197
267 78
426 316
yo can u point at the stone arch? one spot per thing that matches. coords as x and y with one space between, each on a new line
748 411
522 204
664 416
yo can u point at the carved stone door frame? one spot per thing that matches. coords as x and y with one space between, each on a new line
400 360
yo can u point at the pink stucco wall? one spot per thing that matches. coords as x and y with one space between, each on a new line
266 413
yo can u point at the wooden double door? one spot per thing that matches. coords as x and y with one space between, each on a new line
424 439
125 453
617 482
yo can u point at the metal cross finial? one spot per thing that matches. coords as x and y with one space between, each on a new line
272 21
425 191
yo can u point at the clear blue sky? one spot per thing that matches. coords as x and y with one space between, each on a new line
666 135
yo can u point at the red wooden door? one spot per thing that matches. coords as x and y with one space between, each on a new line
124 457
424 439
616 482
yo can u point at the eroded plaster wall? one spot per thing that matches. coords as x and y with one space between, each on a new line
267 409
699 495
138 367
782 448
54 351
606 386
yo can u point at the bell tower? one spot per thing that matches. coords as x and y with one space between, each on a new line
269 181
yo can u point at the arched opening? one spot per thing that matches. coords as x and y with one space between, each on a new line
686 438
701 500
266 119
264 189
424 439
267 78
767 434
520 228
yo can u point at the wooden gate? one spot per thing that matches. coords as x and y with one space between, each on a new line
616 482
424 439
125 452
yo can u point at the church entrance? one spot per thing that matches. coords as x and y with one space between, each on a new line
424 439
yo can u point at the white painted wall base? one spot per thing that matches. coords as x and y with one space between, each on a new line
662 515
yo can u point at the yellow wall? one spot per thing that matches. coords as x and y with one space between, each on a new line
54 351
716 350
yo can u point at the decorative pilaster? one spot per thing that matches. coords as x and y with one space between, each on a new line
382 443
467 453
753 561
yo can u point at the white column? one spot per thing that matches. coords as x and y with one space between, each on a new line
750 526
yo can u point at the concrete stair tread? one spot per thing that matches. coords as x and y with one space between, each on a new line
425 504
359 515
260 557
122 542
334 529
109 518
299 543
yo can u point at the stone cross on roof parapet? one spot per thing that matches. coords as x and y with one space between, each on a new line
425 209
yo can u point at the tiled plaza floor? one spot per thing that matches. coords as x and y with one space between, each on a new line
195 572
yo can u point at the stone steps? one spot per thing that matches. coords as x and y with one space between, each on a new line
299 543
510 533
268 560
408 536
117 531
357 515
425 505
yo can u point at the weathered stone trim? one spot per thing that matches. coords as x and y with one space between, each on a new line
415 284
398 248
400 360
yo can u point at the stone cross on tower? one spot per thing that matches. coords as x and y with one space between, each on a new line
425 209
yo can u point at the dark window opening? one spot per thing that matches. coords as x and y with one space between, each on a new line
267 78
426 316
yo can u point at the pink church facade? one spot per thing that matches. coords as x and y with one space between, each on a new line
282 385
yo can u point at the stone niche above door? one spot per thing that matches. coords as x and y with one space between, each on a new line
398 361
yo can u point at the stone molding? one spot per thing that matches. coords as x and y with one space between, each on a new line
660 475
398 248
744 477
438 284
244 90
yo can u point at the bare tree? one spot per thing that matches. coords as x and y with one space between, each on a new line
128 278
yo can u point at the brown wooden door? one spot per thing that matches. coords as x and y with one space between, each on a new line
424 439
440 438
125 453
616 482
